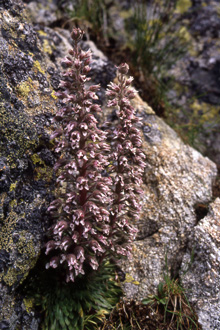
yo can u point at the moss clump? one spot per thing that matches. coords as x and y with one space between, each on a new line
13 203
204 112
6 241
37 160
185 34
23 89
10 278
42 33
26 87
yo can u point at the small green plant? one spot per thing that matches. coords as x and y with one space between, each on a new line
156 43
82 305
171 301
92 16
169 309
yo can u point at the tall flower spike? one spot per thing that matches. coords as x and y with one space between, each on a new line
129 161
96 193
79 232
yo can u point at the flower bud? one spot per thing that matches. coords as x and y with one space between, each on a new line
77 34
77 64
123 68
95 108
86 69
67 61
71 52
94 88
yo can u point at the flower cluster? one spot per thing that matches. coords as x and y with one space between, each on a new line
128 160
94 195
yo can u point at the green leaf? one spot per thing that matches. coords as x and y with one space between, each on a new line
54 325
163 301
147 301
67 321
160 289
60 317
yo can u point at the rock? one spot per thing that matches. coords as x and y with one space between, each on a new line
204 80
205 19
202 280
177 179
43 12
197 80
26 177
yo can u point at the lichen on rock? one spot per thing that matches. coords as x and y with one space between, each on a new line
26 161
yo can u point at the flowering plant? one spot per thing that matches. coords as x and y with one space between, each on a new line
96 194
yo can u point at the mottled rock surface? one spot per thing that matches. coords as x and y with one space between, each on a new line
197 87
26 177
202 280
177 179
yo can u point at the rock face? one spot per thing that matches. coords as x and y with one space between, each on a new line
26 176
202 280
177 177
197 78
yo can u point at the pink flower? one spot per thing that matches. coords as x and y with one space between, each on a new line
94 88
60 227
78 216
112 103
95 246
54 262
71 261
70 277
79 253
82 183
66 243
50 246
95 108
75 236
93 262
